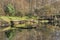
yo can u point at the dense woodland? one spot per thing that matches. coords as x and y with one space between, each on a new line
36 8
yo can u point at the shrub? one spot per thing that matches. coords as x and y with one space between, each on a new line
10 10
